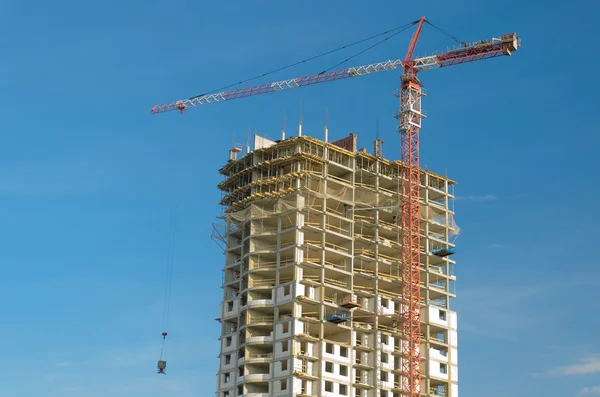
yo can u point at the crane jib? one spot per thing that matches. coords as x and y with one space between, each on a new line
473 52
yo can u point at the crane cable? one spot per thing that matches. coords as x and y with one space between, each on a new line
403 27
444 32
368 48
168 280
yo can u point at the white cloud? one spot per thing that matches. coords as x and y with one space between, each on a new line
132 370
590 390
505 311
497 245
588 365
484 198
479 198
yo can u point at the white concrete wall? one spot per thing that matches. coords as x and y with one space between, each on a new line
454 355
300 220
390 361
453 338
277 388
298 327
279 353
453 320
336 354
277 368
230 383
453 390
434 369
389 383
335 376
297 311
281 298
300 237
453 373
279 334
434 316
336 390
299 255
297 386
435 354
234 312
230 348
385 310
389 346
232 362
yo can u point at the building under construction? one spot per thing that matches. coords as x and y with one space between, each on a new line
313 280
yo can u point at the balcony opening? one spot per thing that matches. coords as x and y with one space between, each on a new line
328 386
329 367
343 390
442 315
329 348
343 351
384 376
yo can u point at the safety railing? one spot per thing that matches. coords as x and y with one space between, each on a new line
263 265
260 355
261 282
253 319
327 245
336 282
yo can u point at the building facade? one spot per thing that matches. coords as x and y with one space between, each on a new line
312 275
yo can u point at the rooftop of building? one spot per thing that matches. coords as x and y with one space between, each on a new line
347 146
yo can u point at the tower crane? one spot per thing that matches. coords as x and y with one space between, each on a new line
410 117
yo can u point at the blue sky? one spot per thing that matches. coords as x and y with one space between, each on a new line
88 178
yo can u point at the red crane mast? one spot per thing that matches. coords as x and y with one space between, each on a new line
409 116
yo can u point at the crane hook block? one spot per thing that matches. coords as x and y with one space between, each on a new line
162 365
164 335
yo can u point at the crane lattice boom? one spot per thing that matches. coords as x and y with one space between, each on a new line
477 51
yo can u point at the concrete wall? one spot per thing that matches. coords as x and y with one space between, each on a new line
335 356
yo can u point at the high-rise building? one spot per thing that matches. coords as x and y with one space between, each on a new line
313 276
